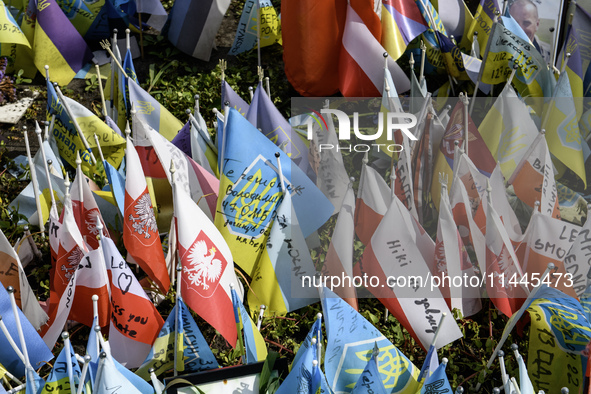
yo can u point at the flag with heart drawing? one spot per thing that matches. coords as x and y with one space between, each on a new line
135 322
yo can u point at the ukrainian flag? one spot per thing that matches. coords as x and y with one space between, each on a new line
254 344
152 112
402 22
559 333
58 44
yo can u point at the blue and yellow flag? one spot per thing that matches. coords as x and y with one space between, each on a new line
483 22
562 129
59 377
250 191
193 353
305 376
402 22
254 344
507 49
437 382
57 43
558 335
350 343
68 140
368 383
246 34
152 112
277 279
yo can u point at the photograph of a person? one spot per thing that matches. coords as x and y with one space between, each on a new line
539 21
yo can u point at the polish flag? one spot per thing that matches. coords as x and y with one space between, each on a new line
208 266
140 231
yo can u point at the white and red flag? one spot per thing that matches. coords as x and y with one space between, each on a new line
533 179
406 285
86 210
208 267
503 271
135 321
140 231
373 200
361 62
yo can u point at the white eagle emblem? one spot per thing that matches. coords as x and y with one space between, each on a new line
204 266
73 261
144 222
92 217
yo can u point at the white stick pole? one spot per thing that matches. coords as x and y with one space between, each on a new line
21 337
83 374
318 334
102 93
66 338
127 40
422 69
268 86
196 108
13 345
47 174
112 95
260 319
33 171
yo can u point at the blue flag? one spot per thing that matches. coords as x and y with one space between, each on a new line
38 351
254 344
369 381
315 332
250 191
437 382
117 184
350 343
235 101
59 379
304 377
263 114
430 364
193 354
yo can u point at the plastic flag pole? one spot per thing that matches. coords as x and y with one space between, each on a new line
260 319
95 314
13 345
48 176
83 374
33 172
102 93
21 337
319 345
268 87
66 338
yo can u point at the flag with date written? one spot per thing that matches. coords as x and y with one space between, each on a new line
250 192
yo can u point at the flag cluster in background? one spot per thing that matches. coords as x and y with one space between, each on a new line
249 218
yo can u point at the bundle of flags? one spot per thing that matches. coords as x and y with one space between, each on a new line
255 198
